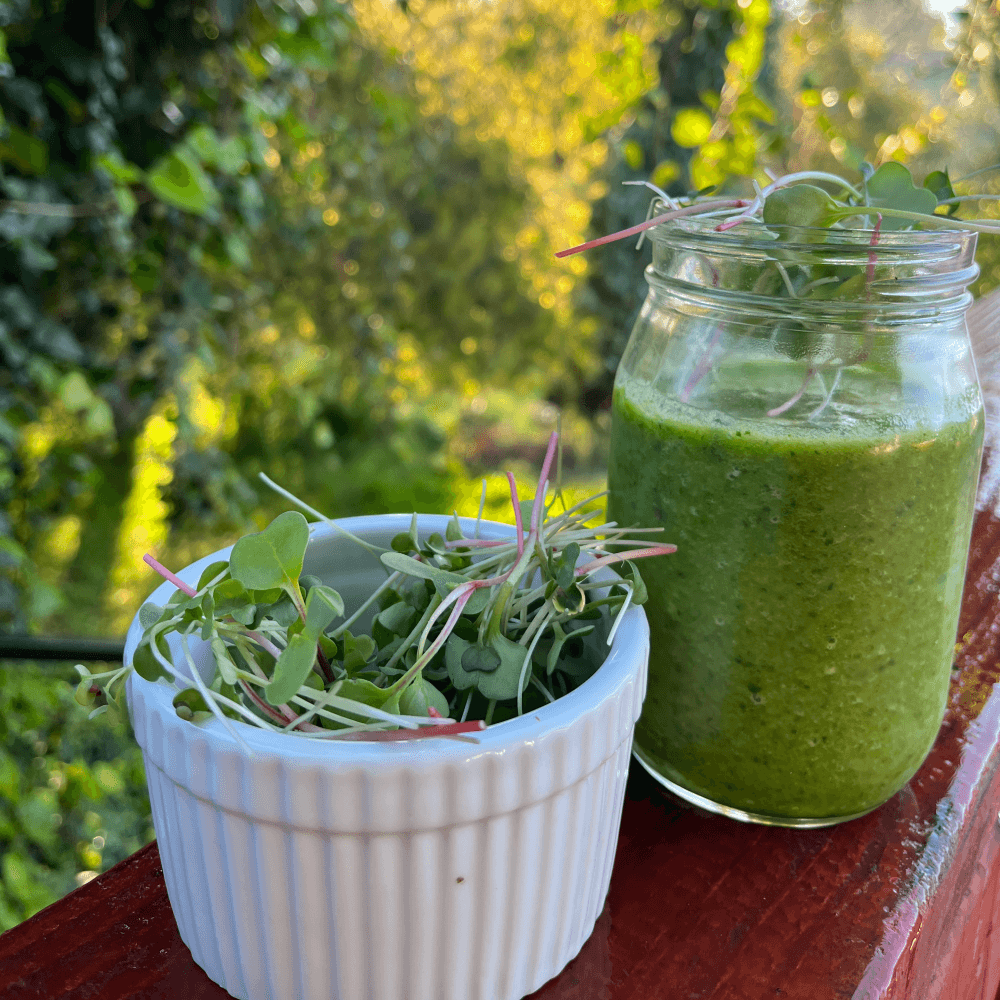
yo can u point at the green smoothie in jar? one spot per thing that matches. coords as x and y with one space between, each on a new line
802 634
800 413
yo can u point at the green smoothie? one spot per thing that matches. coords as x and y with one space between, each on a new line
802 635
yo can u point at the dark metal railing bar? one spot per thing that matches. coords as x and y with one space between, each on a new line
33 647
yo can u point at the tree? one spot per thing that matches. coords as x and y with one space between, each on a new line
225 218
119 203
698 127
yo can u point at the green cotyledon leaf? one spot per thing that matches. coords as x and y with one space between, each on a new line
323 605
191 705
630 571
364 691
799 205
149 615
414 567
453 532
145 663
396 620
939 184
481 658
292 668
561 638
283 611
499 684
891 186
210 573
272 557
223 661
419 696
231 598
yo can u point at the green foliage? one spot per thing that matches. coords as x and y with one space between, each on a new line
272 557
711 45
892 187
799 205
234 215
72 791
101 186
495 670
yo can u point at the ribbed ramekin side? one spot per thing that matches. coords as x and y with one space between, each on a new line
247 925
169 844
614 804
551 858
315 900
186 887
153 734
582 887
268 910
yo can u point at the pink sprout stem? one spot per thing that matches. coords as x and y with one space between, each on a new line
723 227
704 363
167 575
539 505
789 403
654 550
284 715
705 206
872 256
429 652
517 513
462 593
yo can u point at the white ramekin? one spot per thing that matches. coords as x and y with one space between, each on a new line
426 870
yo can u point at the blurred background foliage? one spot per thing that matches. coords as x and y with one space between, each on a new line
316 238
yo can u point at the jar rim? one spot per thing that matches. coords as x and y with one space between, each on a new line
700 232
911 275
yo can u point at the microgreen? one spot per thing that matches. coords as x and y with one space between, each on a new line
461 626
802 208
795 200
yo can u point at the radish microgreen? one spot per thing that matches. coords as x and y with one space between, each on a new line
461 626
808 209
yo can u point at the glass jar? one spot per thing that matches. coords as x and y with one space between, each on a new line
800 411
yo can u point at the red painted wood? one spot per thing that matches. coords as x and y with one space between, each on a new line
899 905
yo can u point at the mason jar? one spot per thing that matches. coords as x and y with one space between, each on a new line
799 410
